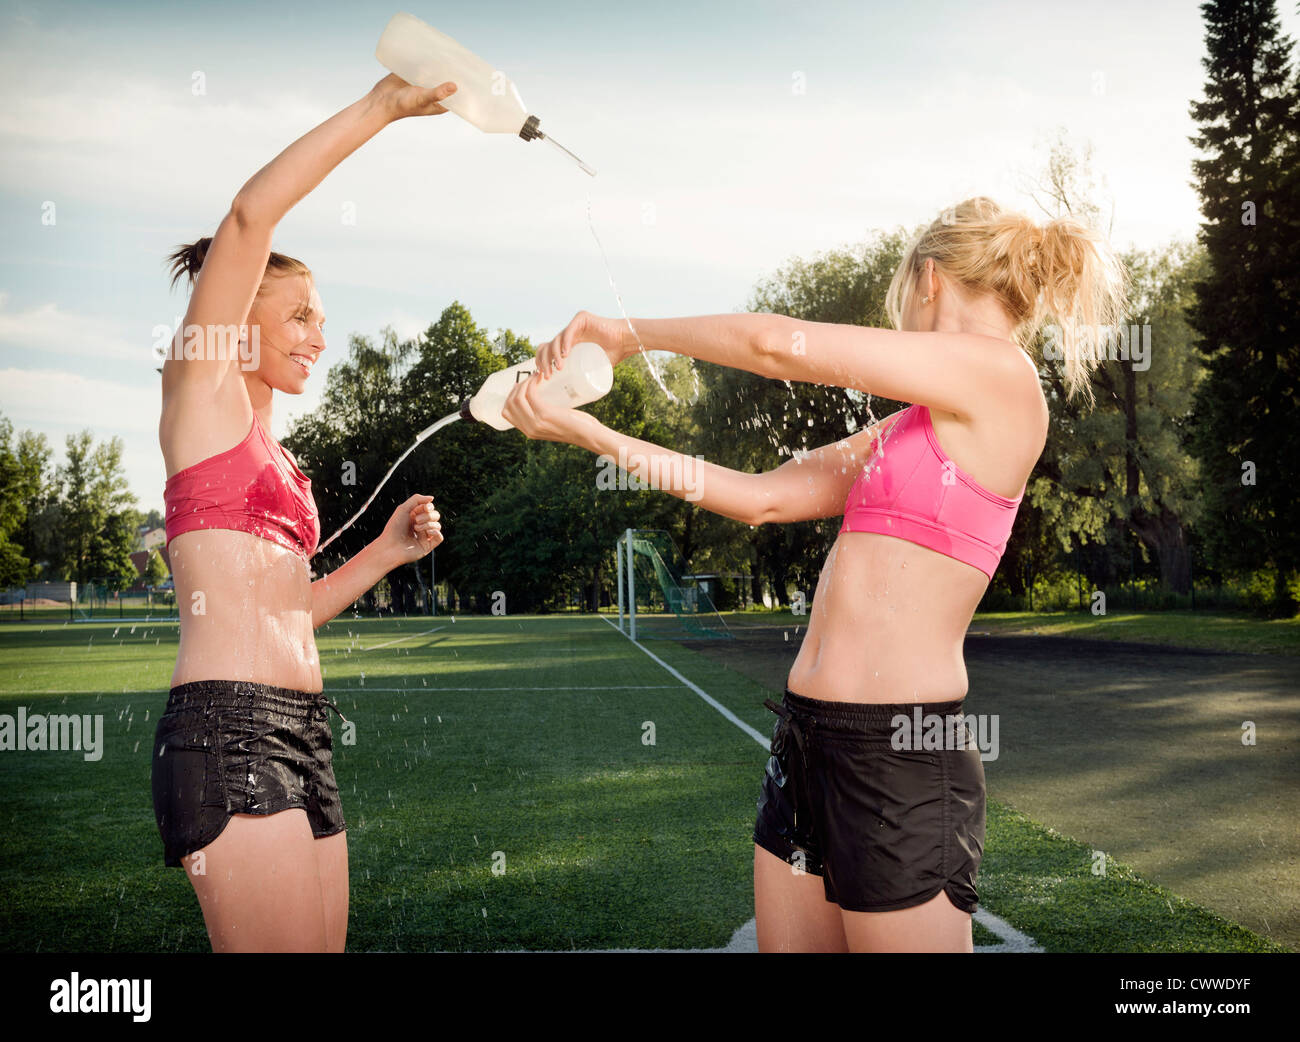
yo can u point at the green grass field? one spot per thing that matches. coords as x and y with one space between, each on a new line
1208 631
507 742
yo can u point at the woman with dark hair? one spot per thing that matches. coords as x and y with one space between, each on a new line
861 844
243 781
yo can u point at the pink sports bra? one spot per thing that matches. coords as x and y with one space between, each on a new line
255 487
915 492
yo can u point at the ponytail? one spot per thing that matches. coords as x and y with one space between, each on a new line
1063 270
186 260
1085 288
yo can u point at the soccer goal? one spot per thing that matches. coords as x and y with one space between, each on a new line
656 597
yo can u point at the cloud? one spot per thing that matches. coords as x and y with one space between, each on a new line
57 403
56 398
48 332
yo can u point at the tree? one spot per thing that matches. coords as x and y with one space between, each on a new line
1120 469
98 526
373 407
111 550
466 462
348 443
14 491
1247 307
551 524
41 530
753 424
155 569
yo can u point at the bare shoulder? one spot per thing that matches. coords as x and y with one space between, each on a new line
1026 394
196 424
1001 439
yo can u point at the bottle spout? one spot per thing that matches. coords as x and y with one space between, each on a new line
581 165
532 130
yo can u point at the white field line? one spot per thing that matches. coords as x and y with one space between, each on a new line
398 640
745 941
764 742
382 690
1012 939
108 620
114 620
105 621
531 687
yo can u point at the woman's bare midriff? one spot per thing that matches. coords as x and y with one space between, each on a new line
887 623
889 618
245 611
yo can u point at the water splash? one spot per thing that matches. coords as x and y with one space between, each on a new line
432 429
583 166
878 439
619 297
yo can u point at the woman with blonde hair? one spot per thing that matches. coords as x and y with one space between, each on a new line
243 778
893 827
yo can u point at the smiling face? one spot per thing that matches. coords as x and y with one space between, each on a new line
290 321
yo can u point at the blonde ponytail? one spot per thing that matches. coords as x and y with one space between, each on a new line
1063 270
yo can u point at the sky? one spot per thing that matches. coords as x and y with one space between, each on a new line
728 138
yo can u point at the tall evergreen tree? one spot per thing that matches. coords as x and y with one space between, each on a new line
1247 309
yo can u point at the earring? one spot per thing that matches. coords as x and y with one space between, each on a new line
926 300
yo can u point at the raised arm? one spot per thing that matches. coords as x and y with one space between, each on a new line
237 257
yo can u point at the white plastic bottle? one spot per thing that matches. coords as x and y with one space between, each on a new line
420 54
585 376
485 96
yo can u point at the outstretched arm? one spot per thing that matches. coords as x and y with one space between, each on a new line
952 372
812 485
412 531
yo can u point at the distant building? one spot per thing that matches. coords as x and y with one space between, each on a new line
149 541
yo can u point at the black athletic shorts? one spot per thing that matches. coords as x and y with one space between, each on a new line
226 747
885 827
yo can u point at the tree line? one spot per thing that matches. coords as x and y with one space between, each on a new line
71 520
1182 474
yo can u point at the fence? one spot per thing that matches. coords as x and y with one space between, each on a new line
92 601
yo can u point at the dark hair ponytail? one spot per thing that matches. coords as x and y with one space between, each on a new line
187 260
